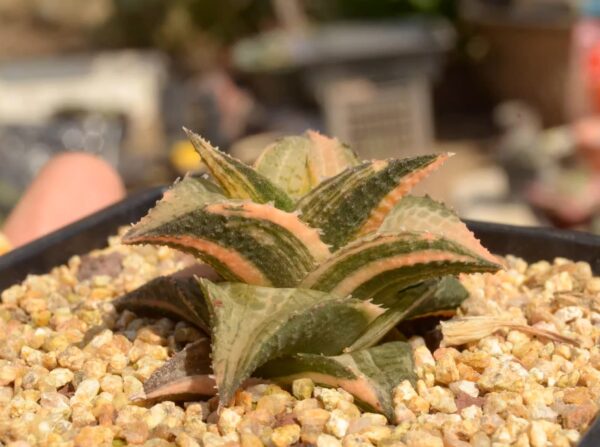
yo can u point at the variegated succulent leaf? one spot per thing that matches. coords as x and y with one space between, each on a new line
252 325
425 214
448 296
327 157
437 297
296 164
243 241
370 375
405 302
237 179
177 295
285 164
356 201
379 265
185 196
187 374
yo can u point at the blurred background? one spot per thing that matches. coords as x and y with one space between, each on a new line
511 86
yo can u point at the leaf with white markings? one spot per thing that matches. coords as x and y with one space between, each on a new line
252 325
187 374
427 215
243 241
285 163
405 302
176 295
370 375
297 164
448 296
237 179
328 157
379 265
429 298
356 201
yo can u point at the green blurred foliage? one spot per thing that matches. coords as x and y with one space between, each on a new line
141 23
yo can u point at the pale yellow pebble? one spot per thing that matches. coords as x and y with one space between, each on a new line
337 424
303 388
82 415
349 409
250 440
86 391
31 356
132 387
446 370
285 435
313 422
229 419
356 440
331 397
275 403
537 434
185 440
325 440
404 392
464 386
59 377
442 399
111 383
93 437
422 438
402 413
481 439
212 440
376 434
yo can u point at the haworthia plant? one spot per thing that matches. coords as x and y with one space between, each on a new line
323 256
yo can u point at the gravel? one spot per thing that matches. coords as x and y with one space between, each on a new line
70 364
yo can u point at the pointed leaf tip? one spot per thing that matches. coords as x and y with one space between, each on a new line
252 325
425 214
187 373
297 164
175 295
357 200
370 375
239 180
382 264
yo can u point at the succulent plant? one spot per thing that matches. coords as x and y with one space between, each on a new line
318 256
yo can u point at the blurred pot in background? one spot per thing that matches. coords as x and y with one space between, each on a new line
520 49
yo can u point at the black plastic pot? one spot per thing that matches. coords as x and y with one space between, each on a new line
40 256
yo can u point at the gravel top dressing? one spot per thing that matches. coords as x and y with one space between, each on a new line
72 368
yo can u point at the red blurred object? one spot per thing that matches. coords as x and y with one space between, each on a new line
586 132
